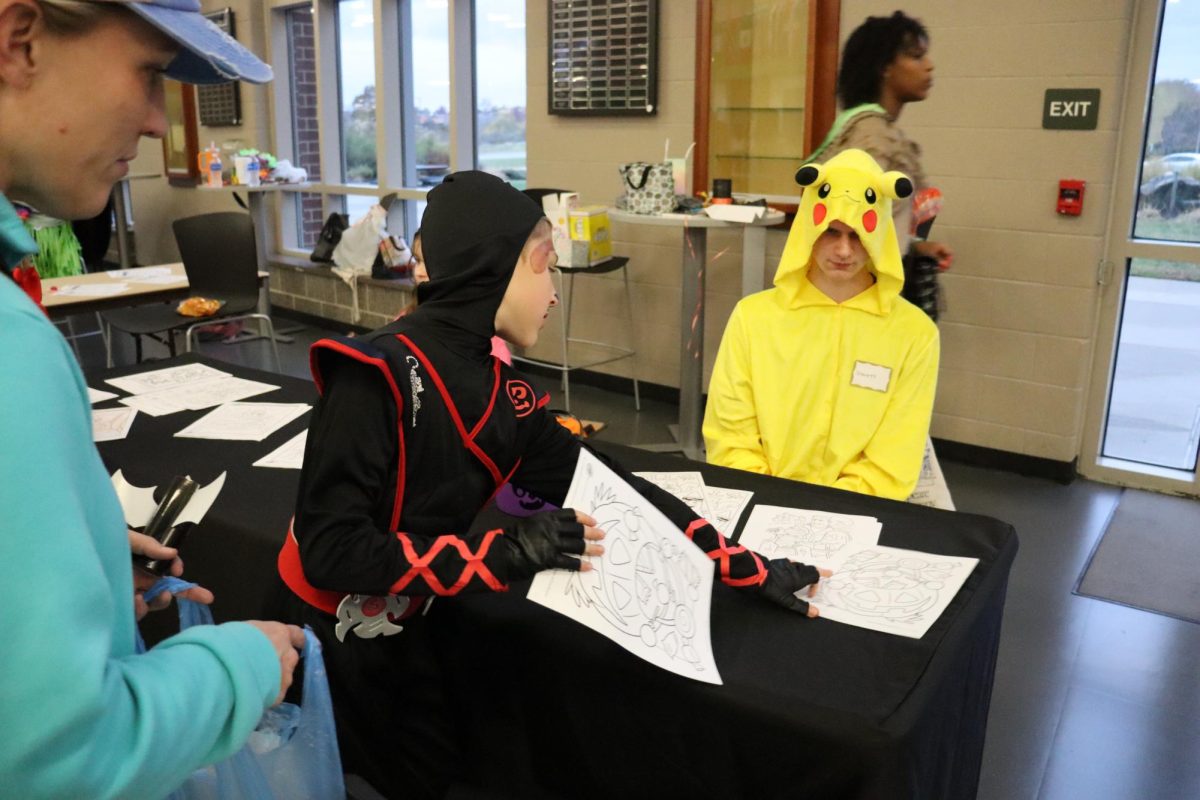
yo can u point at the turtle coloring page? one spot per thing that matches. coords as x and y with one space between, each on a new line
812 537
651 590
892 590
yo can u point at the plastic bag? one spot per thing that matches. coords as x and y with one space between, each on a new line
291 755
355 254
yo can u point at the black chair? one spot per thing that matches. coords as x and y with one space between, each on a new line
565 279
221 261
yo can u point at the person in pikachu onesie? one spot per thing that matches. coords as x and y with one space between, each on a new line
829 377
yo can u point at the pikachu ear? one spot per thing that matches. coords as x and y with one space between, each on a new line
897 185
808 174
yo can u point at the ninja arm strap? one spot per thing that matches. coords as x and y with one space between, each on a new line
738 566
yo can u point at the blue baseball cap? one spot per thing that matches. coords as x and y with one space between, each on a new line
207 54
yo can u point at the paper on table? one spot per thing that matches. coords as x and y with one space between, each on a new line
89 289
138 272
159 379
158 279
931 485
651 591
98 396
250 422
687 486
289 455
820 538
109 424
197 395
892 590
727 507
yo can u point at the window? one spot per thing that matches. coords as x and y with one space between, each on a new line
500 88
373 98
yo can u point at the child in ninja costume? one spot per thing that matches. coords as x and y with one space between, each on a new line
829 377
416 428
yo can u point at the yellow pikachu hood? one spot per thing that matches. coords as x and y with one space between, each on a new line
852 189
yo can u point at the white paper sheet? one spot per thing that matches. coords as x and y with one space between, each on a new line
159 379
158 279
289 455
109 424
89 289
651 591
197 395
687 486
892 590
249 422
139 272
98 396
931 485
813 537
727 507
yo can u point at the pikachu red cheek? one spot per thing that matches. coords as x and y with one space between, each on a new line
819 212
870 220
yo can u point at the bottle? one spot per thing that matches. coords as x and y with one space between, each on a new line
214 169
253 168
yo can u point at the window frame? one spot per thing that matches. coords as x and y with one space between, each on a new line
393 94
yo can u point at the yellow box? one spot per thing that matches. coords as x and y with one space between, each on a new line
590 224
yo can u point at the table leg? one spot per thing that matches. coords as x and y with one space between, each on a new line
122 214
691 356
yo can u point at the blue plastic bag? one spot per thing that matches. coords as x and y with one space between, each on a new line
291 755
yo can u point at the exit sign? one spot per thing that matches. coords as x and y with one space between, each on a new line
1071 109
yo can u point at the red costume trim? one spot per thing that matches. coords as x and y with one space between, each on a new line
724 552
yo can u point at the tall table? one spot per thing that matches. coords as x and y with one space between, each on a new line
547 708
694 269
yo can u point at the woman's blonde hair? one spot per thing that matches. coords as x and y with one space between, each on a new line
76 17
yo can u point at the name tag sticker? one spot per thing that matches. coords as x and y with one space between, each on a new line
871 376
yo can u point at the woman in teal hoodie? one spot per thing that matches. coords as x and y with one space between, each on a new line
81 715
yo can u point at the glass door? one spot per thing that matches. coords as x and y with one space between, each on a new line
1146 430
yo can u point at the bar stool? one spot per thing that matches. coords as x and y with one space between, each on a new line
564 279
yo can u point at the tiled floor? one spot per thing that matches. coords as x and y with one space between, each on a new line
1092 701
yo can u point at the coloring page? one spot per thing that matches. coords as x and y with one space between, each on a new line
892 590
812 537
687 486
289 455
165 378
931 485
727 507
651 591
109 424
251 422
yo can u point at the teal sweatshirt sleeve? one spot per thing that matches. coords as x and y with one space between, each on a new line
81 714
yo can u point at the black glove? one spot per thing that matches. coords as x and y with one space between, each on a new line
546 540
786 577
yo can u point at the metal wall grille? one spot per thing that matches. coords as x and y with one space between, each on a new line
604 57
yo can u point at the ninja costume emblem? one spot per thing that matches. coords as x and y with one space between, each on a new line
520 394
415 386
369 616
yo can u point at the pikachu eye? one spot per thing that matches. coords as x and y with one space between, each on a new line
824 191
870 195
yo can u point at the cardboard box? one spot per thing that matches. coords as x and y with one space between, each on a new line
557 208
589 225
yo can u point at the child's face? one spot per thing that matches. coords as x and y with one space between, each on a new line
530 294
841 257
419 273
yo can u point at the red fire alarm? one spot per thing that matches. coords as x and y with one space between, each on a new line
1070 197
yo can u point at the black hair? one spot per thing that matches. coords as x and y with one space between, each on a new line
873 45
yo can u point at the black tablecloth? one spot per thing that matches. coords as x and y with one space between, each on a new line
548 708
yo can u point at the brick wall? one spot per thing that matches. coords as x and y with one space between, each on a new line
304 117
